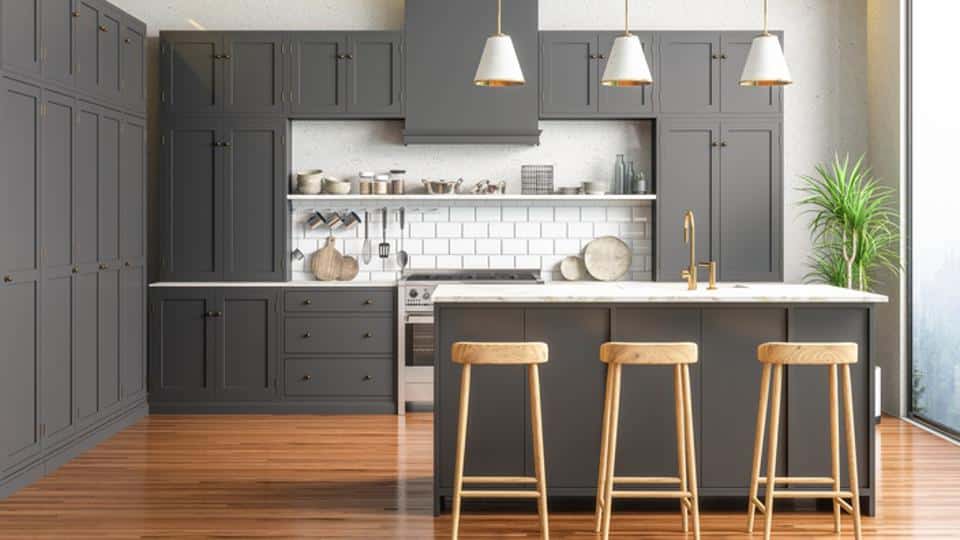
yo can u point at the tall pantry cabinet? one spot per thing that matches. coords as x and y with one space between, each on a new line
72 230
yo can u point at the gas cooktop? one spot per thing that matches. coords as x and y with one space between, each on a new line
474 276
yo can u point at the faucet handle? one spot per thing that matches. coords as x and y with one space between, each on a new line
712 267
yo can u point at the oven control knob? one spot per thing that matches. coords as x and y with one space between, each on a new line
426 295
413 293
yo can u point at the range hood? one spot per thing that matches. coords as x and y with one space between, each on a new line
444 40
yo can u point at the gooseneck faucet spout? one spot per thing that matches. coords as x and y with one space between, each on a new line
690 238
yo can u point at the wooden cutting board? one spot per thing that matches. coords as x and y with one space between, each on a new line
326 261
349 269
607 258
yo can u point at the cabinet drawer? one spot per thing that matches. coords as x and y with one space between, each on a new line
363 300
338 377
317 335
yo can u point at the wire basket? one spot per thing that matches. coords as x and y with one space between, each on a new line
536 179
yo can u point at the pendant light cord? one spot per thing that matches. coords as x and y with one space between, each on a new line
499 8
626 17
765 8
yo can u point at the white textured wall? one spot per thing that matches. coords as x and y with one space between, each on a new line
825 111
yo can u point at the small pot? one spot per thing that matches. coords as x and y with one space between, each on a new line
442 187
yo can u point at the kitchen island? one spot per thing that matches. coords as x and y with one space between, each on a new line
574 319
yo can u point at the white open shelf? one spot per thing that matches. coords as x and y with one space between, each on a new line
467 197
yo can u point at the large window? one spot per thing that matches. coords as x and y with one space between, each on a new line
934 213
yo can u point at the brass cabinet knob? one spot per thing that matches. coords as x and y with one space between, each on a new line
306 377
724 143
307 302
306 335
715 56
367 335
127 264
367 378
723 57
75 13
7 279
75 270
601 56
714 144
102 28
368 302
126 40
103 266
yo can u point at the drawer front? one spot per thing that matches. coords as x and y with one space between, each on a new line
353 335
338 377
360 300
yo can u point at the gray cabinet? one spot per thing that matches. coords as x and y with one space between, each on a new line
108 338
56 180
191 72
133 332
317 81
133 61
109 47
729 173
86 171
19 227
245 366
20 36
571 66
85 345
20 384
57 35
86 28
57 367
108 185
374 73
743 99
252 72
131 191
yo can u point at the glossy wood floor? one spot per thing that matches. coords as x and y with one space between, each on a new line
369 477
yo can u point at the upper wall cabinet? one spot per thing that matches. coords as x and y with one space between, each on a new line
374 73
571 66
20 35
191 74
701 75
133 73
317 83
252 66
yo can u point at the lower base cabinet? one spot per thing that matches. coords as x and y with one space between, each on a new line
272 350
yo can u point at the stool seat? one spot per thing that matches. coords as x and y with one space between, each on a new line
648 354
502 354
807 354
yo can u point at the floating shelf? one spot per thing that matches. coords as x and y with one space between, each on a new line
469 197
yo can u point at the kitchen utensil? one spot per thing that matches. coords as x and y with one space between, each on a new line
536 179
336 186
402 257
573 269
310 182
367 251
607 258
331 220
487 187
315 220
442 187
568 190
348 269
350 218
297 255
384 247
326 262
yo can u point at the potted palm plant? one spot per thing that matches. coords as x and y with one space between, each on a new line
855 229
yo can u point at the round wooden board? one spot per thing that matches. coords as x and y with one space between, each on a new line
607 258
326 262
349 269
573 269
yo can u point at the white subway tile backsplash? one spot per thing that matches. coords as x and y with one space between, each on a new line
449 230
474 230
463 213
553 230
528 230
437 215
514 213
462 246
541 213
488 213
580 230
606 229
619 213
632 230
502 261
423 262
475 261
513 246
436 246
413 246
593 213
567 246
449 261
488 246
567 214
501 230
527 261
540 246
423 230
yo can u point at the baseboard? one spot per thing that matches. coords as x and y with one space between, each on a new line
274 407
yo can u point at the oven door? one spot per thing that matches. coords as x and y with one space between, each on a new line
419 341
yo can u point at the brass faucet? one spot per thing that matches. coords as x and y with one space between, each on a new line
690 238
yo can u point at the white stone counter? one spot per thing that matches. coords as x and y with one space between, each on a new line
640 292
333 284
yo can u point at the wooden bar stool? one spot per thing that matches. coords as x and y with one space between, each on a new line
831 355
501 354
680 356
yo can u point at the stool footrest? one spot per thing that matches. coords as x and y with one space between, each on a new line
510 494
499 480
651 494
645 480
802 494
760 506
799 480
845 505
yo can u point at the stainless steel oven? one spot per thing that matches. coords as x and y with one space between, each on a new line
418 350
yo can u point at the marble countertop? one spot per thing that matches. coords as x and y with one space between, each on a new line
315 284
626 292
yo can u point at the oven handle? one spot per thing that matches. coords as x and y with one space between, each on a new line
419 319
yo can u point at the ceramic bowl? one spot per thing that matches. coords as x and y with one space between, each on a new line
310 182
335 186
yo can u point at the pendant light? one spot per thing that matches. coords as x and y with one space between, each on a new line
627 65
499 65
765 65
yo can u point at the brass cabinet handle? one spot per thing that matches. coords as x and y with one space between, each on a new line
103 266
368 302
306 377
724 143
306 335
715 56
723 57
75 13
127 264
367 378
75 270
103 28
601 56
714 144
367 335
7 279
592 56
348 56
341 57
126 40
307 302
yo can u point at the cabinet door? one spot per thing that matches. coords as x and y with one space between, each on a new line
746 214
85 354
317 75
247 343
56 166
630 100
85 181
19 398
57 35
20 131
192 201
572 417
255 189
132 185
108 45
20 35
108 338
691 81
689 168
181 344
743 99
191 72
374 71
497 397
252 72
86 47
729 354
133 352
133 76
650 388
56 358
108 185
569 72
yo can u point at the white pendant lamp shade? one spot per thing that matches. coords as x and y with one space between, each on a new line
627 65
765 65
499 65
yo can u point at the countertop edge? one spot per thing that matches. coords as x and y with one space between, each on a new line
286 284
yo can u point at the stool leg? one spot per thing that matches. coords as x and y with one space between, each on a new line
758 444
611 450
691 452
835 446
772 450
461 444
851 450
604 441
681 440
533 380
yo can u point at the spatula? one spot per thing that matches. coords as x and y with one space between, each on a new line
384 246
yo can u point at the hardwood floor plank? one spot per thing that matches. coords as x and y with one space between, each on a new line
189 477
